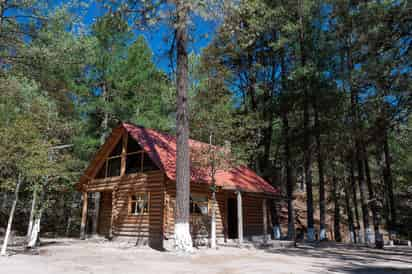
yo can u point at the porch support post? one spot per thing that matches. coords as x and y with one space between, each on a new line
95 222
84 217
239 217
265 220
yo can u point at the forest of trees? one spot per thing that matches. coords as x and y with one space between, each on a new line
313 95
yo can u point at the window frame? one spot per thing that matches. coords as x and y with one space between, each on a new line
130 202
141 152
107 166
123 157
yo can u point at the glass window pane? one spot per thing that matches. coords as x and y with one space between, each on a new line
199 205
113 167
132 145
133 163
139 203
133 208
148 164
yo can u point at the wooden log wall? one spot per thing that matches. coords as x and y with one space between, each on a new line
200 225
253 215
147 225
144 228
105 213
159 222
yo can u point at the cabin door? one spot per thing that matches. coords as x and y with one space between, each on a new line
232 218
105 213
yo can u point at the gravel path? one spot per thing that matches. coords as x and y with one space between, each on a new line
93 256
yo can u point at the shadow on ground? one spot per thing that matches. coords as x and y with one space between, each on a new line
356 259
369 270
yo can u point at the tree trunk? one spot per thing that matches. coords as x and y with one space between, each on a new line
11 216
307 155
34 237
371 195
336 214
308 177
354 196
183 239
351 226
274 216
322 208
267 132
4 202
289 180
387 177
362 192
69 211
287 160
32 213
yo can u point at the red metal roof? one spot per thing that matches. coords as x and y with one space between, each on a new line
161 148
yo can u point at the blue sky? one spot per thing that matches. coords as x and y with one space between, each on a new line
157 37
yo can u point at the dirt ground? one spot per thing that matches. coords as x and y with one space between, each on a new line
94 256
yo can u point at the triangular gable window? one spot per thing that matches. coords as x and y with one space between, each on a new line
112 165
132 145
136 160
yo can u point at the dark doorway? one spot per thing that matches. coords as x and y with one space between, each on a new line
232 218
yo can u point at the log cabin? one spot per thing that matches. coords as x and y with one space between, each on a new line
129 190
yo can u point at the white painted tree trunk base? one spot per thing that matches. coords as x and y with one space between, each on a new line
311 234
352 236
183 239
368 236
31 220
213 233
3 251
322 235
34 236
277 232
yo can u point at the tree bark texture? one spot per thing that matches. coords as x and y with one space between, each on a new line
3 251
322 208
183 240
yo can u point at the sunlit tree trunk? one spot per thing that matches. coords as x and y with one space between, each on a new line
183 239
3 251
34 238
32 212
